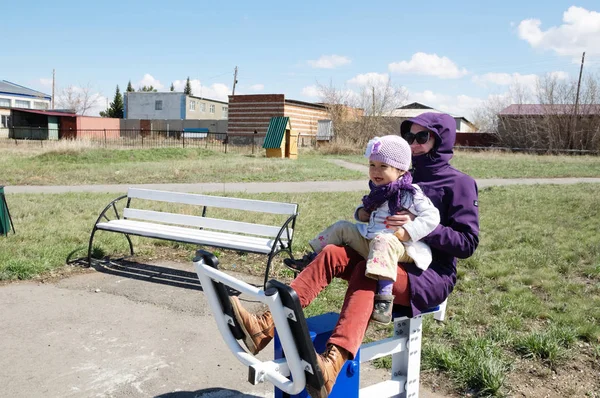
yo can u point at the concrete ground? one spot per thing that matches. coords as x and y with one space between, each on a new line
123 330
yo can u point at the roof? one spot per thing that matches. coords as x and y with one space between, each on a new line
415 105
47 113
276 131
175 93
309 104
7 87
549 109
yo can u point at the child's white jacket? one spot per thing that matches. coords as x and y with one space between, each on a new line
427 218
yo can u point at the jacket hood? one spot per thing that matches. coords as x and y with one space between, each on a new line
443 127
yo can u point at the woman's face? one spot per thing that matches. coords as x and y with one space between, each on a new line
421 149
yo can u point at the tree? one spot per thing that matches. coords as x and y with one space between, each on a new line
544 116
78 99
116 107
172 87
149 89
358 116
130 87
188 87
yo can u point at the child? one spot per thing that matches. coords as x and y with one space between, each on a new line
391 191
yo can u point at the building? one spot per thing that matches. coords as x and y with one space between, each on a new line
33 124
252 113
172 106
13 95
415 109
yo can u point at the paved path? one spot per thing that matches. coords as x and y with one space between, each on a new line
266 187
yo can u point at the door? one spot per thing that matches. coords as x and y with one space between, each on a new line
52 128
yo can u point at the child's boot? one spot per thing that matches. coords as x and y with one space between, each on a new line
382 310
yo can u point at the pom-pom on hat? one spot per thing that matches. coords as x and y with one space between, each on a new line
392 150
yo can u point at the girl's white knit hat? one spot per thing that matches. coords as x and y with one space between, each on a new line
392 150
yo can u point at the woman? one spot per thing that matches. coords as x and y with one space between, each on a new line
431 137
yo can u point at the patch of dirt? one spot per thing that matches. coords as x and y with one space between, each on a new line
578 376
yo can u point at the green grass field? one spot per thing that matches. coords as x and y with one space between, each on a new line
528 298
524 318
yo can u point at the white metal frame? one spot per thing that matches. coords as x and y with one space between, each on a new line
276 371
404 346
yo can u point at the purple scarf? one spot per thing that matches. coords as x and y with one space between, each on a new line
393 192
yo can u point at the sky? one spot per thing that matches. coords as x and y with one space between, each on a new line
449 55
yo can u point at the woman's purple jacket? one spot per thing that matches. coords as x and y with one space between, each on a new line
455 196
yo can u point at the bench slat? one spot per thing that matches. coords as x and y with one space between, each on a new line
200 237
214 201
205 222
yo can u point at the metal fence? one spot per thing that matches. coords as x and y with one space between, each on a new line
123 139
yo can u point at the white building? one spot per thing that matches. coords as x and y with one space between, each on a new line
15 96
172 106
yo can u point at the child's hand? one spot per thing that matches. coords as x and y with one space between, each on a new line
363 215
402 235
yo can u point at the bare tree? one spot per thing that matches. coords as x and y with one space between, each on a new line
358 116
78 99
544 117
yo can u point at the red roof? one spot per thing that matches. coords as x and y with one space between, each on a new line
47 113
547 109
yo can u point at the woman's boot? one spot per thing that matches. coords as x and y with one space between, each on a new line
258 329
330 362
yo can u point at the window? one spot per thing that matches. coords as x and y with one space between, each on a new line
211 109
40 105
5 102
192 105
22 104
202 107
5 121
224 112
158 105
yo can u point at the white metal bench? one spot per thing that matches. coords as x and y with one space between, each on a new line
201 230
291 373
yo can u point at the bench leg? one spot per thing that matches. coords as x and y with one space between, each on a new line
271 256
89 255
407 363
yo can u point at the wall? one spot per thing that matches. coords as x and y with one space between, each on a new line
248 113
304 118
213 126
42 103
475 139
98 127
142 105
199 114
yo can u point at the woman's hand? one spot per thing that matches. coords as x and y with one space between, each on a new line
397 220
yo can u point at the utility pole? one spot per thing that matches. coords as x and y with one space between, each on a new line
577 95
373 90
234 80
53 79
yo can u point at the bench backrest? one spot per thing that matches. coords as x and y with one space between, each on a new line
289 209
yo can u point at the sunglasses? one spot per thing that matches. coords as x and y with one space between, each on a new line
421 137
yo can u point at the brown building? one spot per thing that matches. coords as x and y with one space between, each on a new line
252 113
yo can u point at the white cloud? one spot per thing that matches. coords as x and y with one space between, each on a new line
458 105
46 82
515 79
370 79
329 61
579 32
430 65
217 91
311 91
149 80
257 87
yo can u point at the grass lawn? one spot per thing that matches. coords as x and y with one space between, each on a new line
167 165
77 166
524 318
488 164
